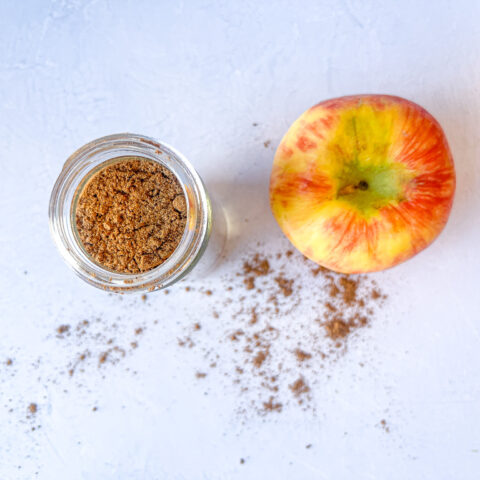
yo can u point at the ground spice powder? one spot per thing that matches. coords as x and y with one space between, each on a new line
276 346
131 215
286 322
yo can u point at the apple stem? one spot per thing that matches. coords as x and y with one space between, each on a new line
348 189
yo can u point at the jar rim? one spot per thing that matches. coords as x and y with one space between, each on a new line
92 155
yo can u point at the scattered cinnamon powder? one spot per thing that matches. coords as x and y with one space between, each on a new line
63 329
253 316
131 215
384 425
345 312
275 348
312 307
32 408
235 335
112 354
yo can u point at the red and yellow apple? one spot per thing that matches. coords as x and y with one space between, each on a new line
362 183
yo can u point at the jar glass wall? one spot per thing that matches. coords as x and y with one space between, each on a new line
205 231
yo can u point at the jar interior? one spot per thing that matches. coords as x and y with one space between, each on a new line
81 188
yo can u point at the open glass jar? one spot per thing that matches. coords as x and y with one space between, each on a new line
202 242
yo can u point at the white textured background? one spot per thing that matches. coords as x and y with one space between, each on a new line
197 74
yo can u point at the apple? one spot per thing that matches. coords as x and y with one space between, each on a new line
362 183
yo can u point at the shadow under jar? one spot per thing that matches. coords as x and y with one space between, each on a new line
199 247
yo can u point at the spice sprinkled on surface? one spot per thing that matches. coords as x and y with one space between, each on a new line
276 344
277 303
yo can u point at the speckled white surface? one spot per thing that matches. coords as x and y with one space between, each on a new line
197 75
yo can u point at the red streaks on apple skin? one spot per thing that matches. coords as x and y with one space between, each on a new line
320 126
424 147
286 152
350 229
304 144
354 232
432 188
344 229
378 101
333 104
428 203
314 129
294 185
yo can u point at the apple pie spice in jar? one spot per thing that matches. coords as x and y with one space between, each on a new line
129 213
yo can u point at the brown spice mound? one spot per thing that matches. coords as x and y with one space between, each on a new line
337 328
259 358
376 294
272 406
285 285
349 290
347 309
299 387
131 215
249 283
258 266
301 355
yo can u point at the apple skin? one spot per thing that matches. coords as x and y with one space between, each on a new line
362 183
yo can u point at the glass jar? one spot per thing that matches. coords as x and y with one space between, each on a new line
202 242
